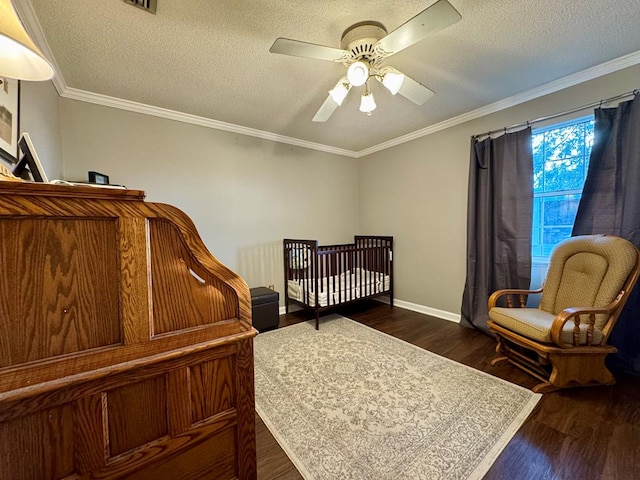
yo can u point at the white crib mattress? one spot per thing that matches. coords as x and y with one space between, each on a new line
341 288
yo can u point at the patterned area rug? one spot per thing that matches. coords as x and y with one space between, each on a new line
349 402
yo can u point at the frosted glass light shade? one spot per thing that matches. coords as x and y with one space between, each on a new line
339 93
367 103
20 58
393 81
358 73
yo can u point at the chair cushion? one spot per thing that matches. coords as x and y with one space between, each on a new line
536 324
587 271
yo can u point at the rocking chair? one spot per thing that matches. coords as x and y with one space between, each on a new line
563 342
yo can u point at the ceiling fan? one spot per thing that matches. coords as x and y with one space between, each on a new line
364 47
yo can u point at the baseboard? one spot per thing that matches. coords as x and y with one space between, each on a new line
414 307
433 312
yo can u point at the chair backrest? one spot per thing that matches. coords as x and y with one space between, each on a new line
588 271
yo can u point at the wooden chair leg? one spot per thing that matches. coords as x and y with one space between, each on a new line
503 352
544 387
536 369
499 361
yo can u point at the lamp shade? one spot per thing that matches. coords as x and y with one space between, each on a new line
393 81
20 58
358 73
367 103
339 92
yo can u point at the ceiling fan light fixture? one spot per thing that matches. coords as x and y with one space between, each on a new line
393 81
367 103
364 46
358 73
340 92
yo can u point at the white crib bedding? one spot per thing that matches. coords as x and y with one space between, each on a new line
339 289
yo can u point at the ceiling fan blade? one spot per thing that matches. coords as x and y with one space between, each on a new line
415 91
326 110
296 48
434 18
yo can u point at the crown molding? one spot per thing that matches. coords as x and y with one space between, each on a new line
107 101
32 25
546 89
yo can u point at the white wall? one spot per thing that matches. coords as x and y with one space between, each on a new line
244 194
417 192
39 116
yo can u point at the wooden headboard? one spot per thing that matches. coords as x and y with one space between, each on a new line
126 348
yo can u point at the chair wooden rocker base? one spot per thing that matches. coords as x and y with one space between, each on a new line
555 367
563 342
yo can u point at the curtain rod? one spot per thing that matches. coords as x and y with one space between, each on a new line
561 114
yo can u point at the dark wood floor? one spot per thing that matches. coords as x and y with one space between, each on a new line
577 434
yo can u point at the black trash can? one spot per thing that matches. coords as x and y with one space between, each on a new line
264 308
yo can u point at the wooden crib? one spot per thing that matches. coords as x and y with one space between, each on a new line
325 277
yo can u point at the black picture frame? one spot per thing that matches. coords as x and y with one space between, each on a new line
99 178
9 119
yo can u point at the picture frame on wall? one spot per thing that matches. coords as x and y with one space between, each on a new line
9 118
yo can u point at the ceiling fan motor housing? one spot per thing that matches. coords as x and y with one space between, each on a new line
360 39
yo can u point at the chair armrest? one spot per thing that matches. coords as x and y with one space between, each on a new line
575 314
521 296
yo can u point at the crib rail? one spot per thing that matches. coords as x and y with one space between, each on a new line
301 266
332 275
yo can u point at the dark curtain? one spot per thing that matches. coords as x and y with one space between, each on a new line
611 204
499 210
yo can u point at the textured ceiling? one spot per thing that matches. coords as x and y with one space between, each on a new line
210 58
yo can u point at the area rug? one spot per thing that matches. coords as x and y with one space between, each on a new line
349 402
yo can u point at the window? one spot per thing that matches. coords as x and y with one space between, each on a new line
560 162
